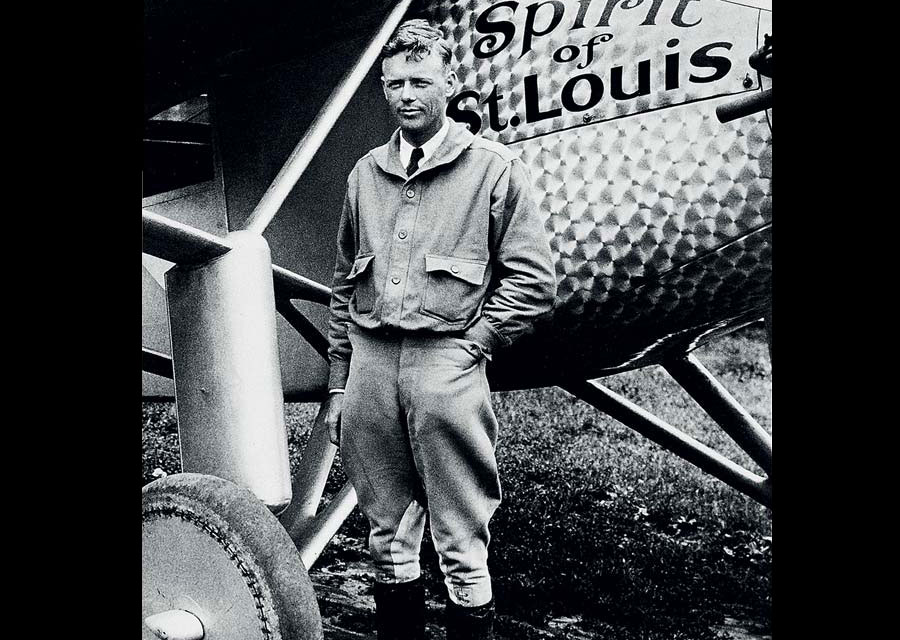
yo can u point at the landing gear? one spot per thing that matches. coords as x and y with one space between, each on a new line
214 551
715 400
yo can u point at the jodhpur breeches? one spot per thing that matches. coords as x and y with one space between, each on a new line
418 433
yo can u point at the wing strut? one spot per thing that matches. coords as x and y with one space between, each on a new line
309 144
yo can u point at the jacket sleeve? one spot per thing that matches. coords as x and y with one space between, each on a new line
339 348
523 272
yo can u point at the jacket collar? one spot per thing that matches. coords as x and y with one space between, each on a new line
458 139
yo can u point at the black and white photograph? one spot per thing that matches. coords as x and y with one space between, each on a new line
457 320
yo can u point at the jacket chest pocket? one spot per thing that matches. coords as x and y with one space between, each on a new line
364 288
453 288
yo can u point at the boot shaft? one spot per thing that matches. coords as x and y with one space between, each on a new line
400 610
470 623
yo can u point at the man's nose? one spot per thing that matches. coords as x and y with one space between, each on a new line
406 94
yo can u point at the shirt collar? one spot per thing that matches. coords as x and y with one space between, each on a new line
428 148
387 156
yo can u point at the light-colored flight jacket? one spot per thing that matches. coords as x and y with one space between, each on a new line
459 247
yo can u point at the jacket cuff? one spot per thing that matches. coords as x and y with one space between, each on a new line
337 374
486 336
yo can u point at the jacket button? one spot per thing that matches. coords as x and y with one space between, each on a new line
410 193
454 269
395 280
402 235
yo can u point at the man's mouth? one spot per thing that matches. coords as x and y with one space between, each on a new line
410 112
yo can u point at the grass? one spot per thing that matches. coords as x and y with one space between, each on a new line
598 524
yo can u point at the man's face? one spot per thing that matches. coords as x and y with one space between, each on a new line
417 92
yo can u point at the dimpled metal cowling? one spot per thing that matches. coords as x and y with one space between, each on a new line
658 215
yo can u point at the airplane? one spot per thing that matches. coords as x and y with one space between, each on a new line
647 129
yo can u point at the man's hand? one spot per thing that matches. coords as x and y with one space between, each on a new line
331 413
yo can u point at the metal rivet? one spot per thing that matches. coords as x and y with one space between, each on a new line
410 193
748 81
454 269
395 280
402 235
587 117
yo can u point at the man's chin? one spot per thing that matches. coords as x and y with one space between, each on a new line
417 127
411 127
411 123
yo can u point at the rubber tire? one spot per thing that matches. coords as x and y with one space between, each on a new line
220 524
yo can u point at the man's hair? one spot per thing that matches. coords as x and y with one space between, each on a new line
417 38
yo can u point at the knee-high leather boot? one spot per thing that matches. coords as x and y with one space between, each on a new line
470 623
400 610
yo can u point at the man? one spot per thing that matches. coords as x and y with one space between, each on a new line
442 260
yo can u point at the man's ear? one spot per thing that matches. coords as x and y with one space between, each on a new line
452 81
384 88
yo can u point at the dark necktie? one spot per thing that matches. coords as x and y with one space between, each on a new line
417 154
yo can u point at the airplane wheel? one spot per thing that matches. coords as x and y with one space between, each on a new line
214 550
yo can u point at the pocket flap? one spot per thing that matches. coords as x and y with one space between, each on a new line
359 266
467 270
